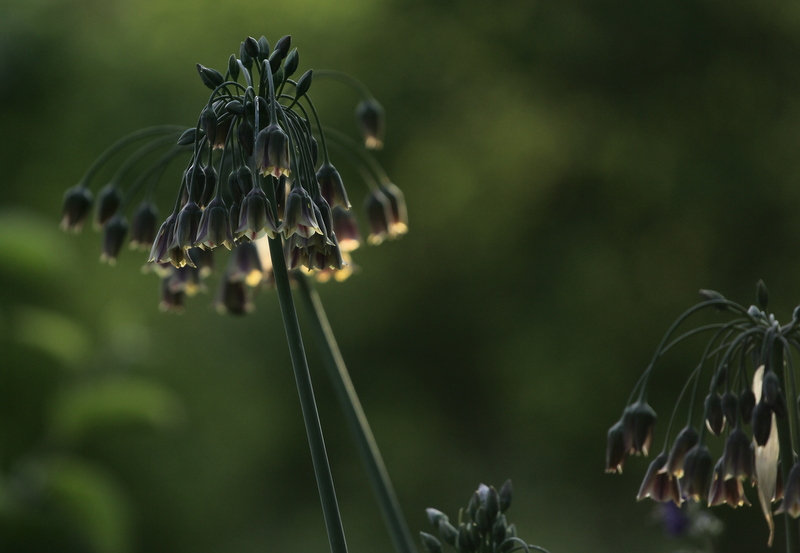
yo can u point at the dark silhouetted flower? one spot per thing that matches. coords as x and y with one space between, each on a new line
77 203
272 151
371 120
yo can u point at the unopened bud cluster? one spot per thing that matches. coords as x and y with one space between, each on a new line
258 169
480 528
737 392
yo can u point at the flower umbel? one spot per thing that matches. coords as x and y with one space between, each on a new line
257 165
748 367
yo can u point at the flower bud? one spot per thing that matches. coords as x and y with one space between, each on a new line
447 532
303 83
283 45
210 77
499 528
431 544
250 48
712 295
762 423
291 63
371 120
208 121
762 295
188 137
492 504
505 496
76 206
263 49
435 516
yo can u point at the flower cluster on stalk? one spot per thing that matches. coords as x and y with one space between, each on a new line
258 169
746 373
481 528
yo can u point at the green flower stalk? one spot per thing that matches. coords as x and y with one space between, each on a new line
747 366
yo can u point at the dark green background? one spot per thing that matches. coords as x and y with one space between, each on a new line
574 170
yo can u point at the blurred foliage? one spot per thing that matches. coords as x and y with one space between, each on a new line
575 171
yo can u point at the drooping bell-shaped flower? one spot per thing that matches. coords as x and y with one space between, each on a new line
215 227
144 226
372 121
76 207
332 187
114 233
272 151
255 216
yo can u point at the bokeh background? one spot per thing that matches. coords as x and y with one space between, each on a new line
574 170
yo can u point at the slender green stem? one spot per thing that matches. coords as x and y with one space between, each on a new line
316 442
357 85
124 141
356 420
307 401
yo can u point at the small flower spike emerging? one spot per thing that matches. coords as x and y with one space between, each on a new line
760 427
257 166
483 526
